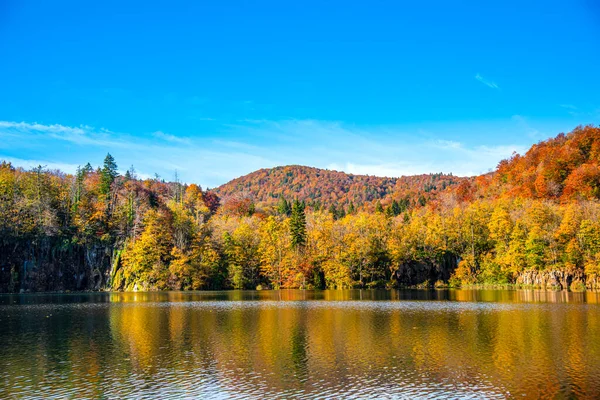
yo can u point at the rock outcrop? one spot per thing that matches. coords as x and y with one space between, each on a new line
426 272
553 279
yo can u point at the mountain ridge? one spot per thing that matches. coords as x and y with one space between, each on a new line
561 168
325 187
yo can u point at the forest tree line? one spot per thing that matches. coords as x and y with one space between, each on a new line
100 229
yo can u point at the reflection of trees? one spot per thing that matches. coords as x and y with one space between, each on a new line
507 349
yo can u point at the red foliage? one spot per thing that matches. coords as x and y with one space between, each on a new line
325 187
563 167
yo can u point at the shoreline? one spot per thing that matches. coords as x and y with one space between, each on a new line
497 287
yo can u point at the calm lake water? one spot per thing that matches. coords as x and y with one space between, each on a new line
301 344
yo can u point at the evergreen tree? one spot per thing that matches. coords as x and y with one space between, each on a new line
404 203
283 208
351 209
298 225
395 208
333 211
378 207
316 206
389 212
108 174
88 168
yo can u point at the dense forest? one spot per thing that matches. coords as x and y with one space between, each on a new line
533 221
320 188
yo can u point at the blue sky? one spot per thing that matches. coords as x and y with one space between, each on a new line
214 90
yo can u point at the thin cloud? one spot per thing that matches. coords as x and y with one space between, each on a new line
448 144
55 128
590 112
170 138
31 144
81 135
50 165
523 124
235 150
486 82
569 106
380 150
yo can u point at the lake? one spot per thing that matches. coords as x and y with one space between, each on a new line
301 344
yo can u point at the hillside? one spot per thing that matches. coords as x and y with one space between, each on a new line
563 168
323 187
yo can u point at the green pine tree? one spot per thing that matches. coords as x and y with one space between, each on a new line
108 174
333 211
378 207
298 225
351 209
395 208
88 168
283 208
389 212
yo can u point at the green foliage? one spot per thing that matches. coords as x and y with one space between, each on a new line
351 209
284 207
298 225
108 175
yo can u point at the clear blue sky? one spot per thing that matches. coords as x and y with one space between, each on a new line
217 89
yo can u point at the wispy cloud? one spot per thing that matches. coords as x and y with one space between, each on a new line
486 82
210 164
523 124
589 112
54 128
569 106
380 150
237 149
170 138
51 165
81 135
448 144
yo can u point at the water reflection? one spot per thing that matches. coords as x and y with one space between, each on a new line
283 344
469 295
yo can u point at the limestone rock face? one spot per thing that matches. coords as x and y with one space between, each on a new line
56 269
552 279
592 282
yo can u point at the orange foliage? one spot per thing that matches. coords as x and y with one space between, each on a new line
322 188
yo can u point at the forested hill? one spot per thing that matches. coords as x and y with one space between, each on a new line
323 188
563 168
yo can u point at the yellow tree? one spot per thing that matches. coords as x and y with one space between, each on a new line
145 261
275 251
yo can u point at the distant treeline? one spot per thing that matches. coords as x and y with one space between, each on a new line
535 220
